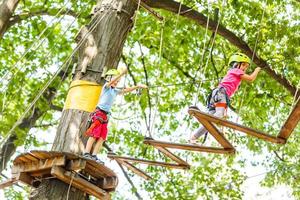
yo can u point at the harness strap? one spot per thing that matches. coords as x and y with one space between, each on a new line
223 105
101 120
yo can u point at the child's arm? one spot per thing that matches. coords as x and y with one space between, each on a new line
252 77
130 89
113 80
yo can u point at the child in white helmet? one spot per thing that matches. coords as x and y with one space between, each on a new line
97 131
219 98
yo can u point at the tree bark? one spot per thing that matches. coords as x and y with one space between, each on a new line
7 8
173 6
107 40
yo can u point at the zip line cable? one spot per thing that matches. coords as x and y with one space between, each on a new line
151 126
38 39
210 51
97 21
20 88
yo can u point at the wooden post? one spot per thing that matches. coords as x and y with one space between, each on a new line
290 123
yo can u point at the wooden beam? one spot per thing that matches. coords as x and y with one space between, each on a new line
134 169
172 156
217 134
7 183
201 115
23 177
291 122
150 10
38 165
79 183
148 162
188 147
76 164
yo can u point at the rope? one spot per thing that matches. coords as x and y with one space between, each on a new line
151 126
119 112
136 13
203 53
52 79
252 57
37 40
70 184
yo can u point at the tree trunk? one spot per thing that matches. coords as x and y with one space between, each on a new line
101 49
7 8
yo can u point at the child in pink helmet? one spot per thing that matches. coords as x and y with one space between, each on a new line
219 98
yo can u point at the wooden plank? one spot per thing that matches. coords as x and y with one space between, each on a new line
39 165
291 122
201 115
7 183
134 169
172 156
40 173
99 167
217 134
188 147
79 183
76 164
30 157
148 162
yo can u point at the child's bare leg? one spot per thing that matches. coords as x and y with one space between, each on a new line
98 146
89 145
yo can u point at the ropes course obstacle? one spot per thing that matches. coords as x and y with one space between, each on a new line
86 175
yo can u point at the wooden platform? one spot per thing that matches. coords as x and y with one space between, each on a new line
33 166
128 162
210 122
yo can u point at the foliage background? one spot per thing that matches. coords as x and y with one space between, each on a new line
169 54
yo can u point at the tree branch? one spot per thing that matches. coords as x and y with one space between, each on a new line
50 12
173 6
7 8
277 155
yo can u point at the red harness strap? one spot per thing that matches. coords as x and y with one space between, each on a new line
223 105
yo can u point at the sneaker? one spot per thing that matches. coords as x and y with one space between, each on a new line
95 158
194 107
193 141
87 155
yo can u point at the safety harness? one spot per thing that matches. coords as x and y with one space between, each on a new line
100 119
213 101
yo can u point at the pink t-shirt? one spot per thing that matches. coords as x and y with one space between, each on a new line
232 81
